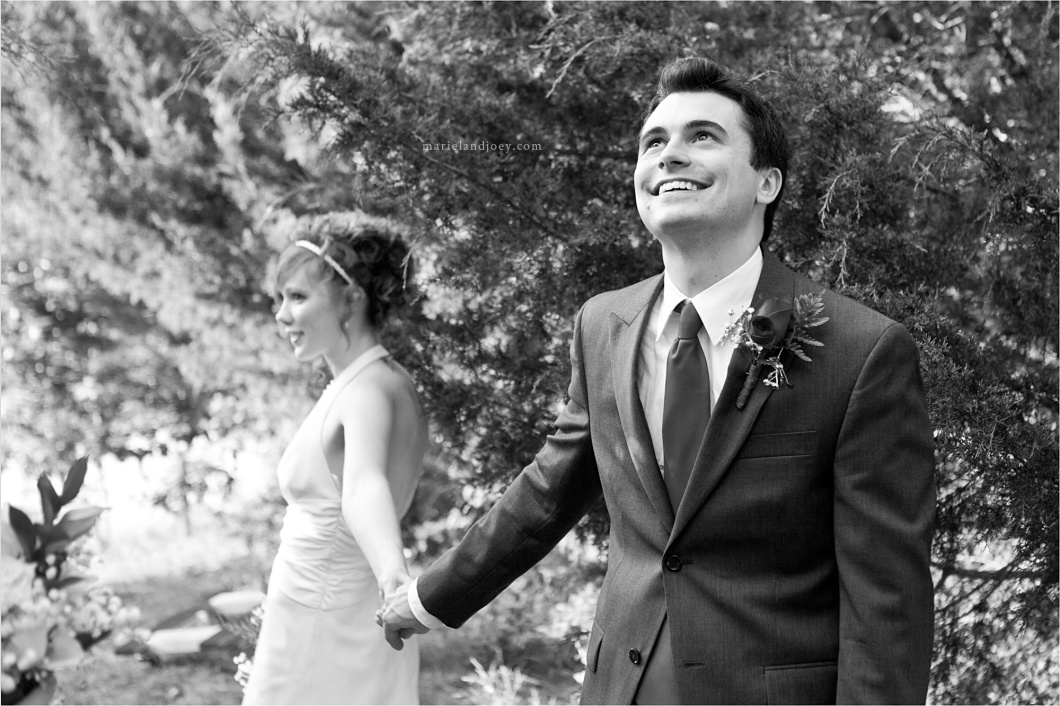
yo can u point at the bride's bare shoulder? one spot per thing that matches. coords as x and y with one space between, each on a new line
385 376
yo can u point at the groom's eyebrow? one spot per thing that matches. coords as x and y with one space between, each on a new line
645 136
705 125
690 126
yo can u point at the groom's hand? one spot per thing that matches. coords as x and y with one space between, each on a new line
396 617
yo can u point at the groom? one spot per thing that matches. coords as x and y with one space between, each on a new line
772 549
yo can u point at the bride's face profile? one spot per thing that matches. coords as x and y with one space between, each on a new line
310 313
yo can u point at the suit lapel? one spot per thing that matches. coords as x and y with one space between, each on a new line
728 427
628 323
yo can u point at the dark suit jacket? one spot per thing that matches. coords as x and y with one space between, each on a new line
796 568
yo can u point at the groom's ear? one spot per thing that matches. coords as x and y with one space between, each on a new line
769 182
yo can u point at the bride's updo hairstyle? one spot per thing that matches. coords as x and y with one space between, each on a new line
369 251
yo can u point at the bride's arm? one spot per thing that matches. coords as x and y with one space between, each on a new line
367 415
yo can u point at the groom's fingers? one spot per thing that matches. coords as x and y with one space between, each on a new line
394 638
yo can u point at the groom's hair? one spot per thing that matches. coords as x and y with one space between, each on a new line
769 144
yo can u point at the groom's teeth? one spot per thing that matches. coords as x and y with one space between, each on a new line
678 186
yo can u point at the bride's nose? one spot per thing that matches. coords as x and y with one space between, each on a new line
283 314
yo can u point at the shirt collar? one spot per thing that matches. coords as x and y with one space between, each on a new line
732 293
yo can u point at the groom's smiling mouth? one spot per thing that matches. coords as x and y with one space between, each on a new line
672 185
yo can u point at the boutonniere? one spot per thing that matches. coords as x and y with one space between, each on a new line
778 325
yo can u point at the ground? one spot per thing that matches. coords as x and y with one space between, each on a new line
539 671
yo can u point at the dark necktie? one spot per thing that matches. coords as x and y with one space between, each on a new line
686 404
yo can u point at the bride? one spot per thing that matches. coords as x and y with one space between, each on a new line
348 475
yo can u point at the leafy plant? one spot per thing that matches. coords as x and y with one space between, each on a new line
51 538
51 613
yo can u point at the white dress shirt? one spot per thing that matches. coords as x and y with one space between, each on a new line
733 293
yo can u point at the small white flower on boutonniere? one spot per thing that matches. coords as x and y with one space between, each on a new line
778 325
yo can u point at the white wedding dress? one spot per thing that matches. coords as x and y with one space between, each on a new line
319 642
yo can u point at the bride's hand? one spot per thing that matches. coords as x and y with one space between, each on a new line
392 581
396 617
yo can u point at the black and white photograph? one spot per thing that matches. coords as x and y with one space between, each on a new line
544 352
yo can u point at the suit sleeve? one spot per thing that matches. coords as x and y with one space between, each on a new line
544 502
884 517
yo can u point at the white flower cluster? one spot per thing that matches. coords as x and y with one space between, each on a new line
736 330
247 629
98 612
243 667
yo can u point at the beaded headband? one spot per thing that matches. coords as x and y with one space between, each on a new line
332 262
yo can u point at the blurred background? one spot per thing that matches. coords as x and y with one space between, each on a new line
155 155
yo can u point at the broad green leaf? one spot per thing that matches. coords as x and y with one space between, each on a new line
65 650
49 499
56 545
68 581
76 586
35 639
9 544
82 513
75 477
24 530
72 529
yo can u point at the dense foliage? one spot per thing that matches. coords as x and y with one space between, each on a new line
149 176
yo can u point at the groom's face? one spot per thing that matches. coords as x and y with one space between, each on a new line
694 170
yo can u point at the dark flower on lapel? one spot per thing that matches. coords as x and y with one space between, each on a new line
779 325
770 325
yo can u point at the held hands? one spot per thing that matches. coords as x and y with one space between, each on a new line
395 617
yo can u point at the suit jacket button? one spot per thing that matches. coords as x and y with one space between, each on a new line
673 563
634 656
